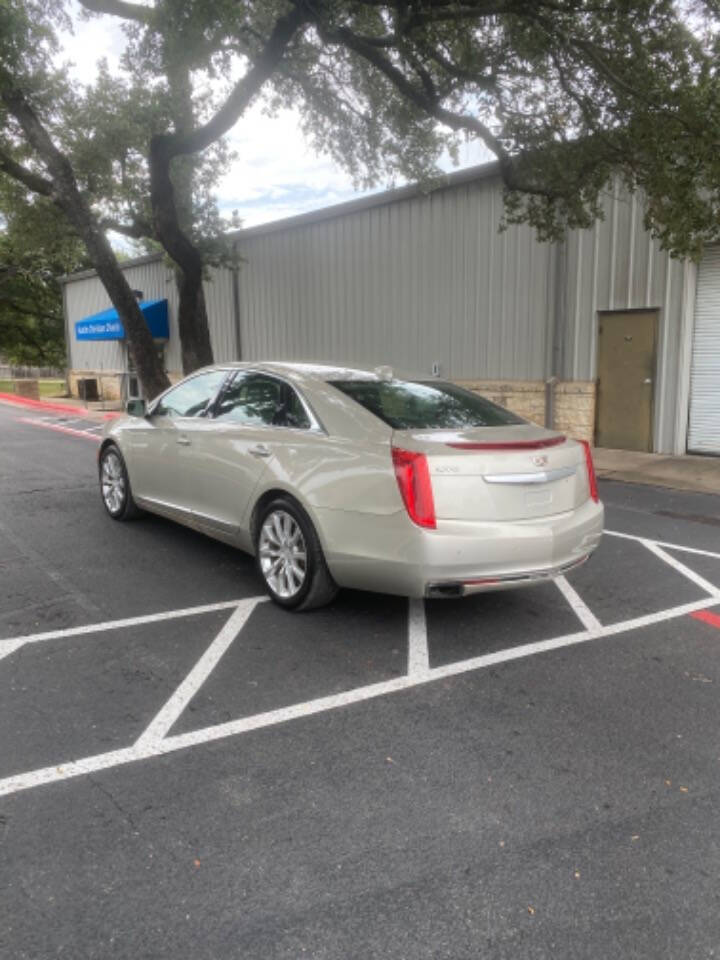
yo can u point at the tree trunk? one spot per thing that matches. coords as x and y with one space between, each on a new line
193 322
68 197
178 217
141 344
172 218
192 313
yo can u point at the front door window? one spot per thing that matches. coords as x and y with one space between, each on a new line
191 397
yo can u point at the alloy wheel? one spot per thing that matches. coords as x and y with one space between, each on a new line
283 554
112 480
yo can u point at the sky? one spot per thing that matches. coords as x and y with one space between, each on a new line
276 174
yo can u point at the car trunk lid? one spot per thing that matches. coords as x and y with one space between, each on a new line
521 472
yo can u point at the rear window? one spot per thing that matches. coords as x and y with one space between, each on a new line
425 405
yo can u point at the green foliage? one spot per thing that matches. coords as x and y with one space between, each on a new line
566 94
36 247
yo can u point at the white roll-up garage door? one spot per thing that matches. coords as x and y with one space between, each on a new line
704 426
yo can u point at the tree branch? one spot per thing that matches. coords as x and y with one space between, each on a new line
68 197
421 98
32 181
138 229
245 89
120 8
433 106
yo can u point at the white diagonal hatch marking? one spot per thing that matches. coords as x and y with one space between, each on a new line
170 712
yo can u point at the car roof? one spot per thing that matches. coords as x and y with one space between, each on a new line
310 370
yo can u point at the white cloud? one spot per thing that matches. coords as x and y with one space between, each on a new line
277 174
91 41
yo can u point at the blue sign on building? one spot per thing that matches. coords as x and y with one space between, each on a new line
108 326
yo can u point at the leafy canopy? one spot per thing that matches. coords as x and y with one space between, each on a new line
564 93
36 247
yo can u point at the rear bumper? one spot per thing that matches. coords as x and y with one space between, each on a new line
390 554
448 589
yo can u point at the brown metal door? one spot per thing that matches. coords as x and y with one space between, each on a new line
626 373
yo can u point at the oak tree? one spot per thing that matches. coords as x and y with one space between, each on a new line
564 94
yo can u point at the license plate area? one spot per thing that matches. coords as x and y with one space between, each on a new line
538 498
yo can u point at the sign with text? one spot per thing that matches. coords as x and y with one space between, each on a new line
108 326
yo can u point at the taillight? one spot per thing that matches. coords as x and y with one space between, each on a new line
413 477
592 479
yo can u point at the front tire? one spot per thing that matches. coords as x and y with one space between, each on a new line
289 557
115 487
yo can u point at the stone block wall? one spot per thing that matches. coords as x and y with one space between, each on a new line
575 408
526 398
574 402
109 384
27 388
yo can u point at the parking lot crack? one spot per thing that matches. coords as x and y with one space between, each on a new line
37 560
127 816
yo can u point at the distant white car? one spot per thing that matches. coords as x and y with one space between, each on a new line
346 477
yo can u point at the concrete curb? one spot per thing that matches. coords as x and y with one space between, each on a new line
690 472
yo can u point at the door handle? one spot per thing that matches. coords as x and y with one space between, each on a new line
647 380
184 441
260 450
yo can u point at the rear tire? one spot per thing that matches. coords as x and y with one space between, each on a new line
115 487
289 557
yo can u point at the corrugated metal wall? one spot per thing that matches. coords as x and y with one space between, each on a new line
87 296
423 280
428 279
704 425
618 266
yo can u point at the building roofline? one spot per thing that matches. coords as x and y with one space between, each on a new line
382 198
133 262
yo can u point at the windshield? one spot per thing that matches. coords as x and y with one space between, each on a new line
425 405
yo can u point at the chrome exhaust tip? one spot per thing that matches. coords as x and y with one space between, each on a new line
444 591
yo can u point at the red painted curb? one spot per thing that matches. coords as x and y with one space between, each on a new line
54 407
712 619
42 404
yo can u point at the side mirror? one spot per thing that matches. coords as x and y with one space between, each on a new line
136 408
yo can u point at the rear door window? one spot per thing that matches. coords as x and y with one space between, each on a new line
257 399
426 405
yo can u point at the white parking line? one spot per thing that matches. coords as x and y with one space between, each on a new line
144 750
569 640
418 656
662 543
681 568
584 614
12 643
155 741
167 716
10 646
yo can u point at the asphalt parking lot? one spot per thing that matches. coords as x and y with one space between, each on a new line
187 771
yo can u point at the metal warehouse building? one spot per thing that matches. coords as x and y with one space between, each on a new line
628 338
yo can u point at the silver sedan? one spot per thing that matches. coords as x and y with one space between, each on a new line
345 477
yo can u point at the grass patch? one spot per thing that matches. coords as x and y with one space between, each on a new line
48 388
